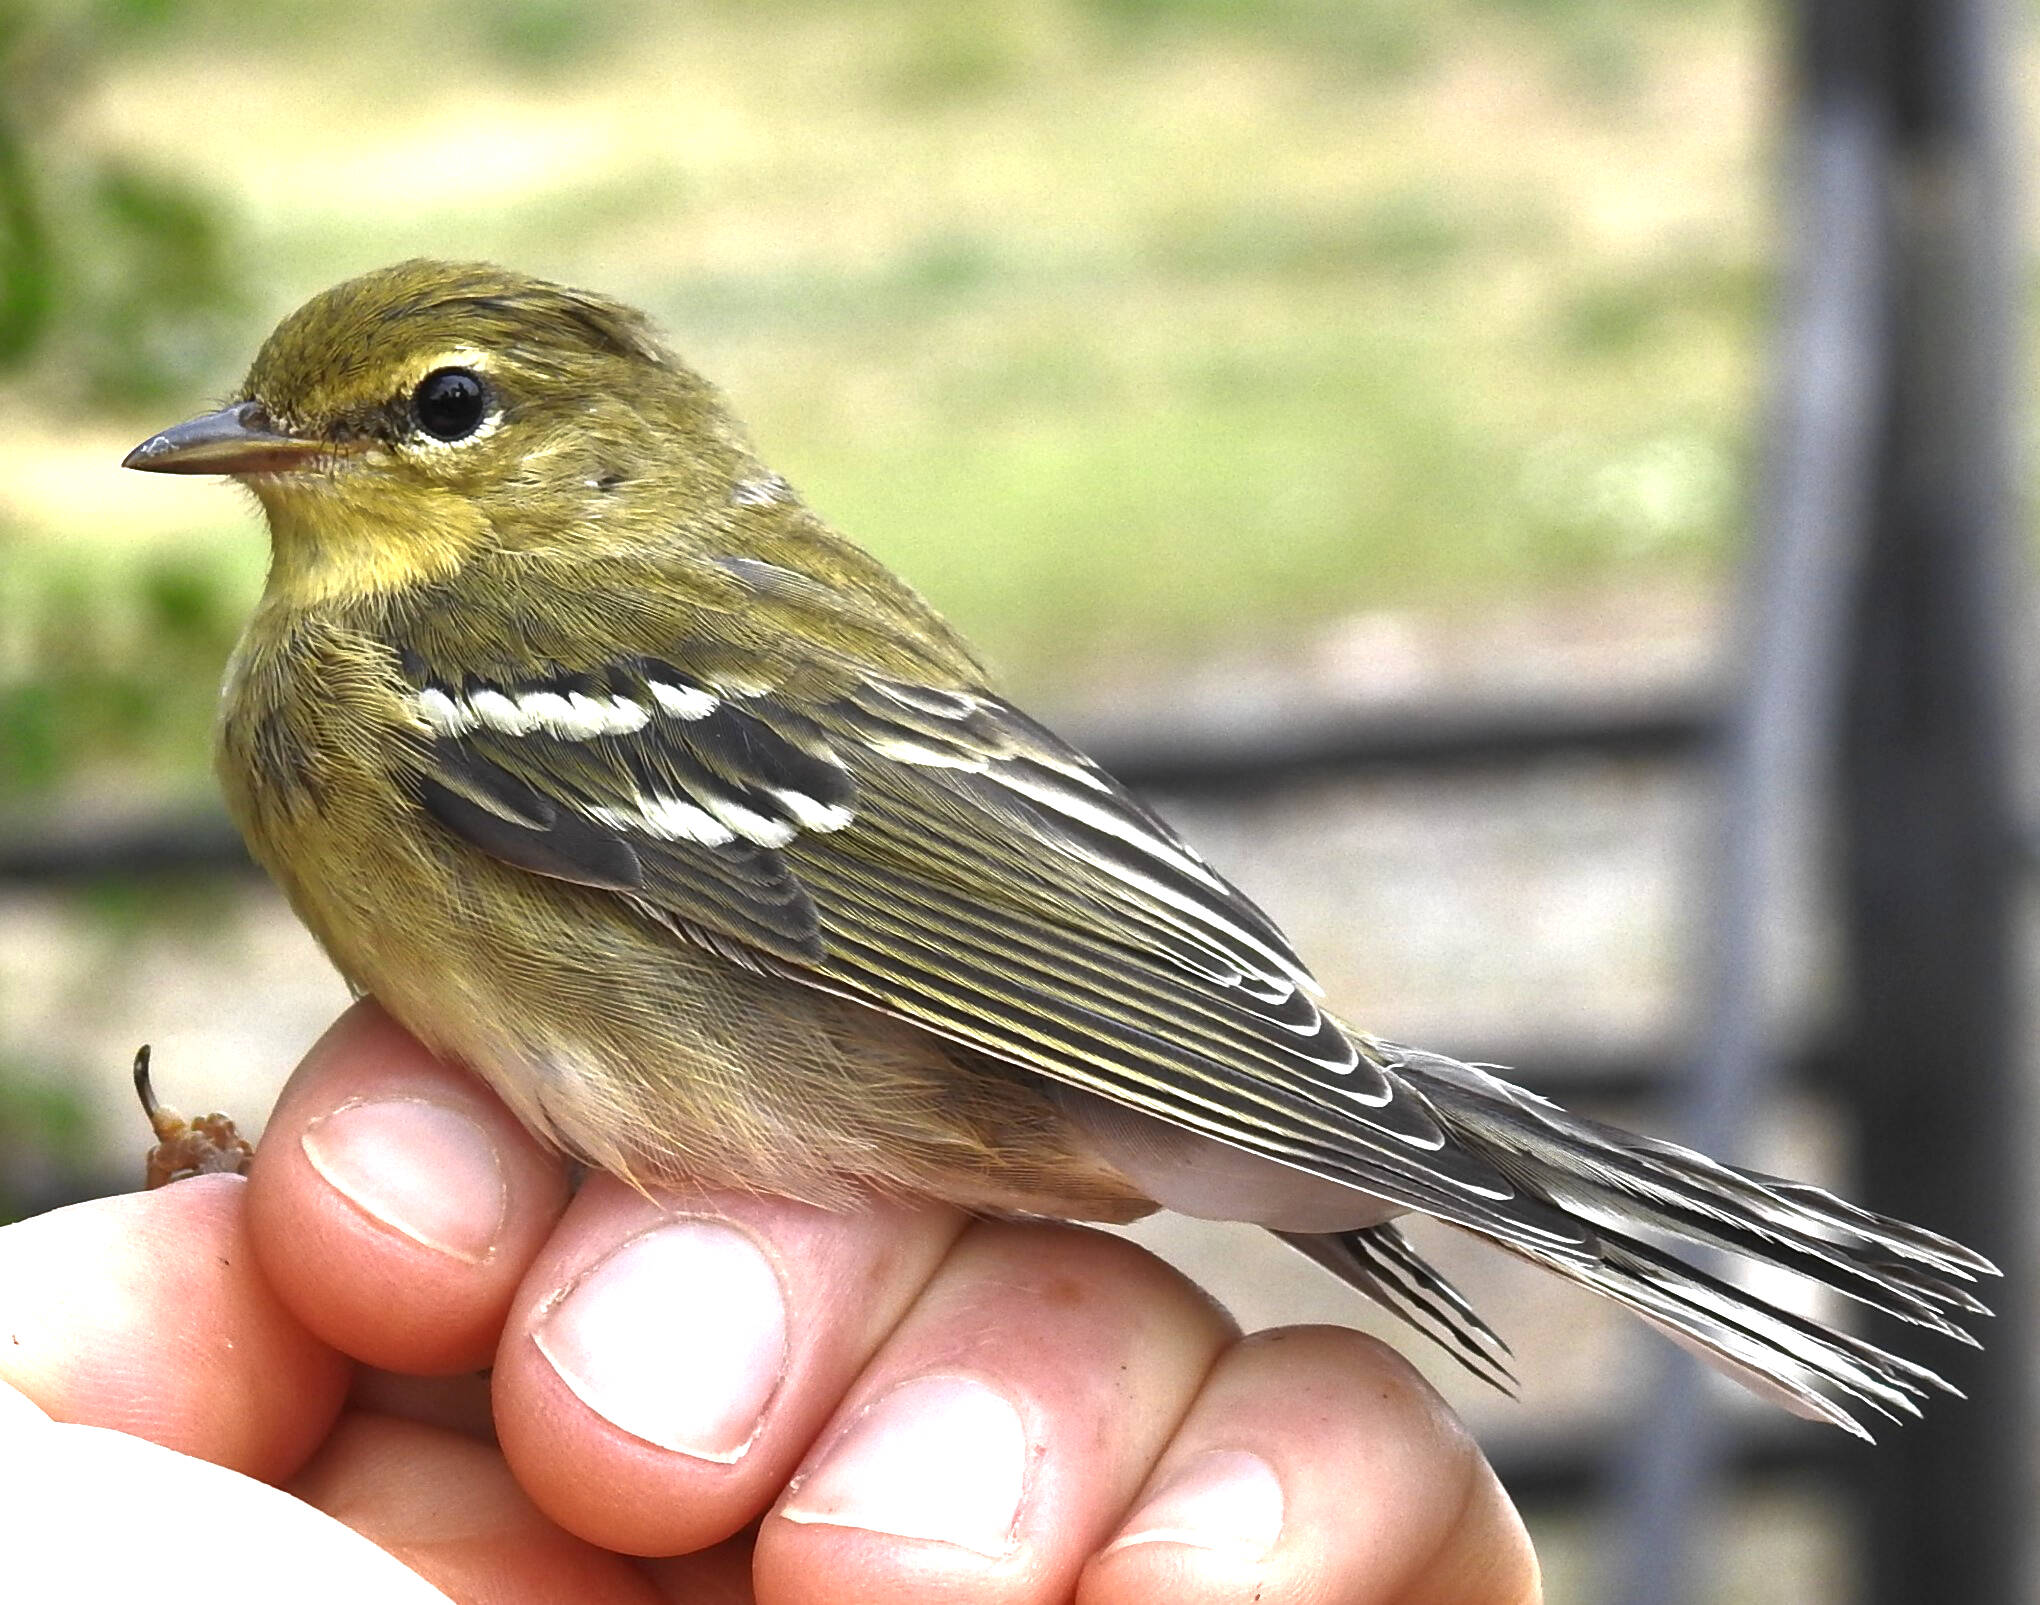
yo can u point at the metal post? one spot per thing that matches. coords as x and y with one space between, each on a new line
1931 855
1828 376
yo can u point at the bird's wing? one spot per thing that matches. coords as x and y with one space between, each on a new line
936 854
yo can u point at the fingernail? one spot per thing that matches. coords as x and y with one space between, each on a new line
942 1458
1224 1499
678 1338
419 1167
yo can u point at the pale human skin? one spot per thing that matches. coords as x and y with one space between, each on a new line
776 1403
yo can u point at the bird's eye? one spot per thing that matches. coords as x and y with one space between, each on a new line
449 403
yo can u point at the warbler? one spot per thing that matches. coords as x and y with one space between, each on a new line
618 776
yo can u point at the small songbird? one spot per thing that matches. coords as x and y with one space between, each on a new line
618 776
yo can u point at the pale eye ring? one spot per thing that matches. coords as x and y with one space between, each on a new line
450 403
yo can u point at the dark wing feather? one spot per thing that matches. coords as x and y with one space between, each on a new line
520 825
934 853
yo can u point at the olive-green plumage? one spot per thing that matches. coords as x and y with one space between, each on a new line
572 537
618 776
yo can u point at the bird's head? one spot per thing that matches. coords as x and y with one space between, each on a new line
397 421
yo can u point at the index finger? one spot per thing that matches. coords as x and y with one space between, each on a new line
396 1203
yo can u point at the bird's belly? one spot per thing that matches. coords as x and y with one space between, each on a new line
657 1060
1202 1177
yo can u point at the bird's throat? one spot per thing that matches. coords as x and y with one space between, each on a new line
349 535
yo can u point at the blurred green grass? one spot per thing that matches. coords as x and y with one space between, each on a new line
1130 330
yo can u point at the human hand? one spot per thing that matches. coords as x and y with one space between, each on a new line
897 1404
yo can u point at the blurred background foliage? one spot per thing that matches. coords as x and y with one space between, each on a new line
1171 346
1141 334
1132 330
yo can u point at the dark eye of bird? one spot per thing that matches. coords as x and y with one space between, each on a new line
449 403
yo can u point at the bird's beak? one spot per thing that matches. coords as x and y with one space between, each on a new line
235 440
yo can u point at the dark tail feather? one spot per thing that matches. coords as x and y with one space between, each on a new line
1379 1261
1627 1190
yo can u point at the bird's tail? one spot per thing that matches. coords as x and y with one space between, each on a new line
1635 1193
